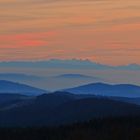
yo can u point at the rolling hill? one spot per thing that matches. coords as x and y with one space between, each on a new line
102 89
17 88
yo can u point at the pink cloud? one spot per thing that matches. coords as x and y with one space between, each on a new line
25 40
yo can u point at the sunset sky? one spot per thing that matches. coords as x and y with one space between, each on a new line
104 31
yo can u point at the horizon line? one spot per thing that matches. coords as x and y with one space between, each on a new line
73 59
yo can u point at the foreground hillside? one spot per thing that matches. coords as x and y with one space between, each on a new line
61 108
98 129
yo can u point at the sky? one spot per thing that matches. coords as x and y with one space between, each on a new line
104 31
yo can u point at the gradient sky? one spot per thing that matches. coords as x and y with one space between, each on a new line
105 31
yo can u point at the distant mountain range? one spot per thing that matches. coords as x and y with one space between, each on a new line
76 76
97 89
19 76
67 64
102 89
17 88
22 77
51 82
62 108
